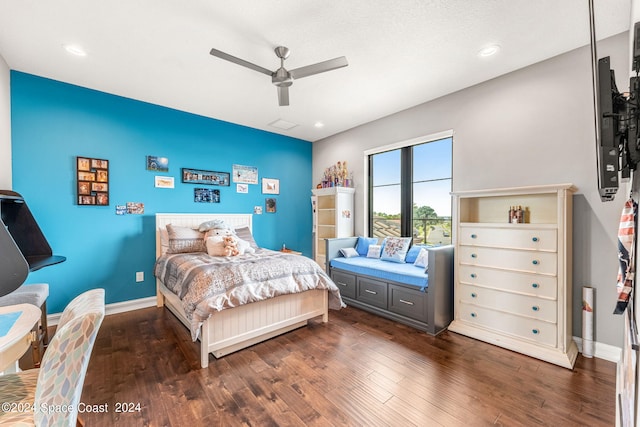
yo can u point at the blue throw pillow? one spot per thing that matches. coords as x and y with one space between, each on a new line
363 244
395 249
413 253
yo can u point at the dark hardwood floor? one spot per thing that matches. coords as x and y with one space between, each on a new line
357 370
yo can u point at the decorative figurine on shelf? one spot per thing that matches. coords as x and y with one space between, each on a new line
337 176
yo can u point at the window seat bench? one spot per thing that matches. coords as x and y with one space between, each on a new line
398 291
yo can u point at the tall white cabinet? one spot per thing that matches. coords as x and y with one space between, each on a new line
332 217
513 281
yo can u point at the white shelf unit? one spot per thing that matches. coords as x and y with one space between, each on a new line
513 281
332 217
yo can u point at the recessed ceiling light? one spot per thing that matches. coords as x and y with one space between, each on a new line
489 50
319 125
75 50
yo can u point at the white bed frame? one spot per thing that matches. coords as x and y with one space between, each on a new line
236 328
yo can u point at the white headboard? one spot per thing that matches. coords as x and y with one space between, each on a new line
194 220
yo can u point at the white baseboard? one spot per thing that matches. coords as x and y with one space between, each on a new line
602 351
115 308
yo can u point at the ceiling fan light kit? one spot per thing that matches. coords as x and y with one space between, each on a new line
282 78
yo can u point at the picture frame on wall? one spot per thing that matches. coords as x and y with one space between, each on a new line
270 186
270 204
199 176
206 195
92 181
245 174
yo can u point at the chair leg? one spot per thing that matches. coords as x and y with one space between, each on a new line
42 337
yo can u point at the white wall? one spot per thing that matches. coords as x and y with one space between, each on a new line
532 126
5 126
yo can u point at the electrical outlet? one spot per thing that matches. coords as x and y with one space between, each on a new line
140 276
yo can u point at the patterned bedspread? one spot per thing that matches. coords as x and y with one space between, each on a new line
207 284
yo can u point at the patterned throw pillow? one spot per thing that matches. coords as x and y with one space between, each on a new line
395 249
185 239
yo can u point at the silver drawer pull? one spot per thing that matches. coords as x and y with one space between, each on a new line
406 302
371 292
341 284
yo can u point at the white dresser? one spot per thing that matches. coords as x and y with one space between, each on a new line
513 281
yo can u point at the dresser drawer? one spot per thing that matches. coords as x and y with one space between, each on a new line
408 302
528 261
521 305
529 329
346 283
514 238
372 292
513 281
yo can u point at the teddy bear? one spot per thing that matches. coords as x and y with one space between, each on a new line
230 245
217 231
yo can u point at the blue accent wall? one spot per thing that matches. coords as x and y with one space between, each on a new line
53 122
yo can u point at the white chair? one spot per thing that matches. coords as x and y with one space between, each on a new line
59 380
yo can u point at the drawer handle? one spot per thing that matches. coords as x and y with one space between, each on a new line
474 295
535 308
535 331
535 239
474 256
535 262
342 284
535 285
406 302
474 236
473 315
371 292
473 275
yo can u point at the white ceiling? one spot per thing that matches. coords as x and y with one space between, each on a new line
401 53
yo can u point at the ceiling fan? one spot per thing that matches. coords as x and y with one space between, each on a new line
283 78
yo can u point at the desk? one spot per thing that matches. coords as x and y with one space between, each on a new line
18 339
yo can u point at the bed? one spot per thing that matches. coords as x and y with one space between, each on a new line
225 327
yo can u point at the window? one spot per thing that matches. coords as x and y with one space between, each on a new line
409 191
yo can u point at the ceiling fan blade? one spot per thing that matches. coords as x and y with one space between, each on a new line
320 67
231 58
283 95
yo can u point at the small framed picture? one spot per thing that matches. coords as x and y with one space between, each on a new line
270 186
99 164
156 163
84 164
86 176
164 182
99 186
270 204
102 199
86 200
102 175
84 188
206 195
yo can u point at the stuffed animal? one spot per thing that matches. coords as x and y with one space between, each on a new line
215 241
230 245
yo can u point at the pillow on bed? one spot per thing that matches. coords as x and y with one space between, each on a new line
244 233
349 252
395 249
374 251
185 239
214 223
422 260
363 244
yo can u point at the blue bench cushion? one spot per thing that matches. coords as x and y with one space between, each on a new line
404 273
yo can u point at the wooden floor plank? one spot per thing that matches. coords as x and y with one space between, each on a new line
356 370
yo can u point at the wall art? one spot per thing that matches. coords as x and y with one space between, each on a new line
164 182
270 186
270 203
198 176
92 177
156 163
206 195
245 174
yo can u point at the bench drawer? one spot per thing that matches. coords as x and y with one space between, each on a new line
373 292
345 282
408 302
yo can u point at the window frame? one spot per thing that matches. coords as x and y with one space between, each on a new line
406 227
